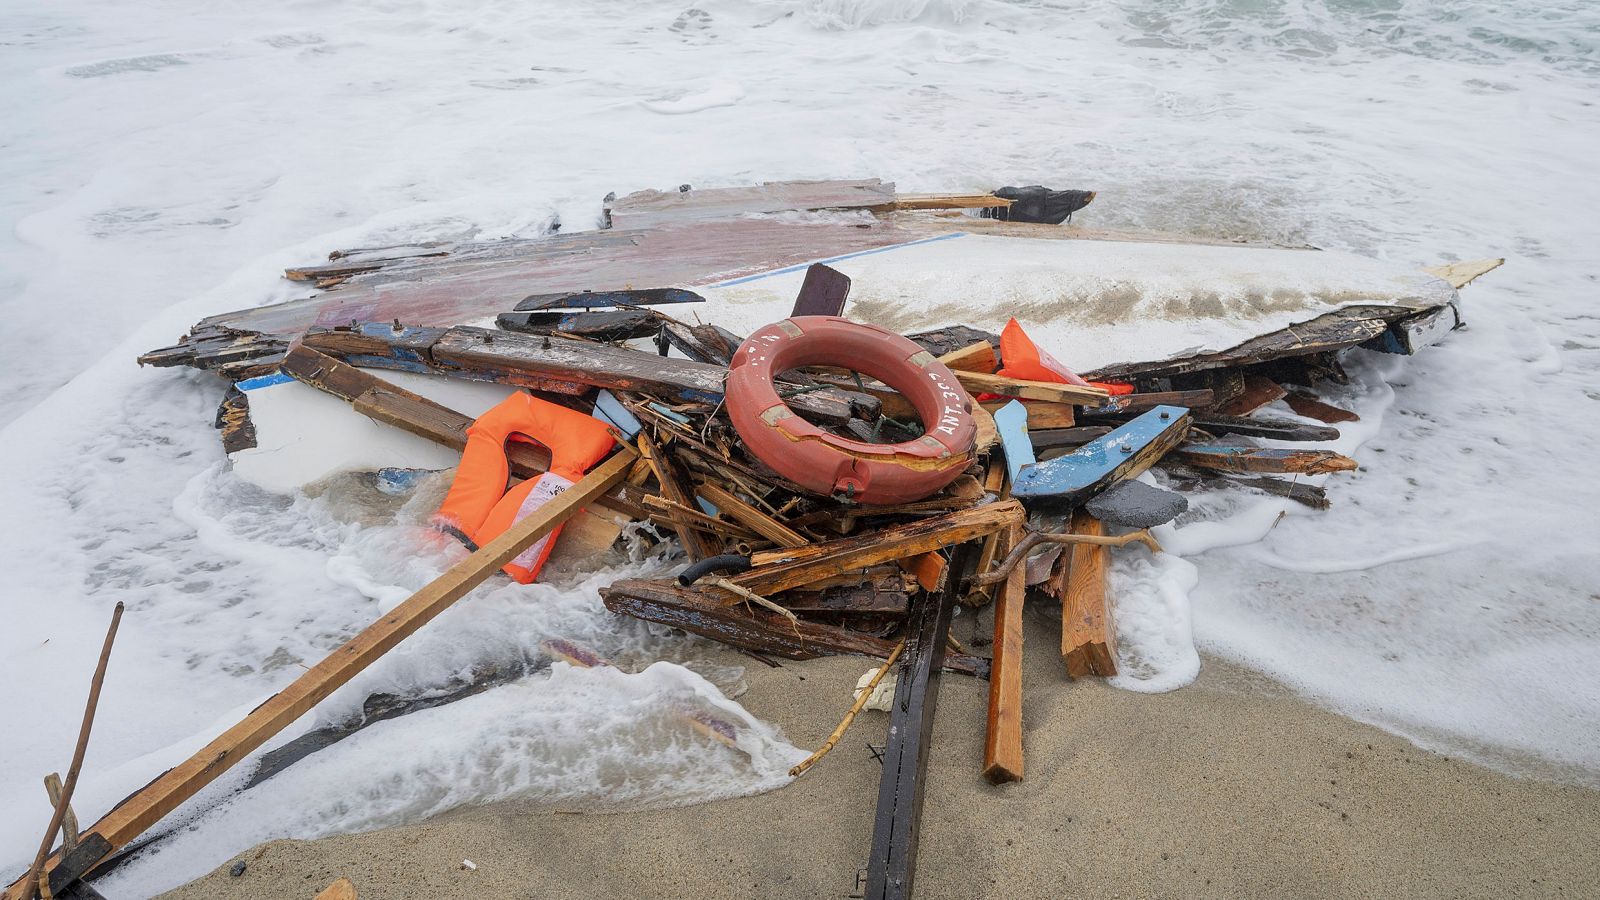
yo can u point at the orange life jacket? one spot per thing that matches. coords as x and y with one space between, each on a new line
1023 359
479 506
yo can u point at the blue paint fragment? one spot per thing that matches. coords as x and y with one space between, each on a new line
261 381
1012 423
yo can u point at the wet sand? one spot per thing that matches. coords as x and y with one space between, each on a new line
1228 788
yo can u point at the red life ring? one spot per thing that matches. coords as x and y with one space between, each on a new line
825 463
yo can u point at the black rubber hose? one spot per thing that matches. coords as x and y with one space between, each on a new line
727 562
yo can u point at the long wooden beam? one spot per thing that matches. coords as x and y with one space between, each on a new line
1262 459
1002 746
147 806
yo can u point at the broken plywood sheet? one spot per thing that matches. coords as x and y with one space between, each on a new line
648 209
1098 305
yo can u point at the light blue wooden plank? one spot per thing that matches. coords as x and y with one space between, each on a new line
608 409
1012 422
1123 453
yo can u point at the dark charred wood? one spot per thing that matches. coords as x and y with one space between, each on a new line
606 325
602 299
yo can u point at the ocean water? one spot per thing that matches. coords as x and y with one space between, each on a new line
165 160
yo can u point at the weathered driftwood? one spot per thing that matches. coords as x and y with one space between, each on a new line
867 598
675 487
1088 635
148 805
1147 400
779 570
755 628
1002 747
1260 459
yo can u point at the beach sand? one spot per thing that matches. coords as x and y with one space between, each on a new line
1231 787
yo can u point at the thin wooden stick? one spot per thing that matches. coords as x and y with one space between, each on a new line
30 884
1035 538
850 716
69 822
753 597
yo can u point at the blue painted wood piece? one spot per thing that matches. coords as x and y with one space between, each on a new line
608 409
1123 453
1011 421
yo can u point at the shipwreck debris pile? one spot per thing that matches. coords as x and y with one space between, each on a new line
835 487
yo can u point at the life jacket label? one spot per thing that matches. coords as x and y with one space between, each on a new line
548 486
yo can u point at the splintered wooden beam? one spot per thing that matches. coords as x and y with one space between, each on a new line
1002 747
1021 389
1102 462
753 628
747 515
1260 459
1088 636
892 864
945 201
779 570
674 487
148 805
1124 403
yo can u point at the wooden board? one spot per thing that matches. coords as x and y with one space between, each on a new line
650 208
1040 415
1002 748
747 515
1120 455
978 357
1088 635
148 805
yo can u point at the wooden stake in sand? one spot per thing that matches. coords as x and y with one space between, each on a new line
29 883
162 796
861 702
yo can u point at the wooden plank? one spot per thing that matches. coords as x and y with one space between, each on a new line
148 805
1002 748
823 292
1306 405
753 628
1264 427
780 570
1088 635
870 598
1021 389
1040 415
1097 465
1260 459
978 357
1259 390
994 482
892 863
1148 400
597 325
747 515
